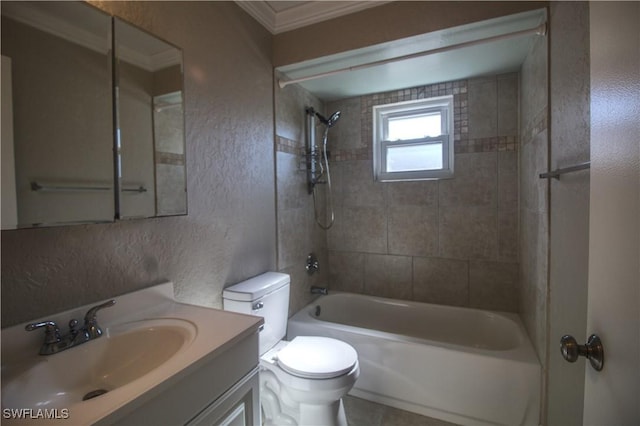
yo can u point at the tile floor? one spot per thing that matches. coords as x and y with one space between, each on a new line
361 412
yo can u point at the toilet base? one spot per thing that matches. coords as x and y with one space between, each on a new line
279 409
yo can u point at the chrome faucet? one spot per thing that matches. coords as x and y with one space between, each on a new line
54 342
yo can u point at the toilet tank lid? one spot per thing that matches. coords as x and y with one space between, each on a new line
256 287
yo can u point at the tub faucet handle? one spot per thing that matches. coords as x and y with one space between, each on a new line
312 264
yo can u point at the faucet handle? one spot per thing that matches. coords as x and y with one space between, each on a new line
51 331
91 319
91 313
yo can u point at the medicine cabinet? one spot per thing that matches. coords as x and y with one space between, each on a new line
95 110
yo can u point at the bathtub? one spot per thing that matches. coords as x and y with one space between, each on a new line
465 366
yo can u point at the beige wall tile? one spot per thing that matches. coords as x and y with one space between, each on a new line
533 83
508 206
292 225
300 288
354 186
475 182
508 238
346 133
534 160
493 285
472 216
346 271
508 101
387 276
413 230
468 233
441 281
362 229
291 183
508 180
419 193
483 108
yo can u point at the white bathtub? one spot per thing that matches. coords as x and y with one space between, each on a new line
466 366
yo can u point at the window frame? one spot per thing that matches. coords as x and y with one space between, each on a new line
381 116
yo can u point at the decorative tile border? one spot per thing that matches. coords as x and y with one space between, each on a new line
289 146
169 158
501 143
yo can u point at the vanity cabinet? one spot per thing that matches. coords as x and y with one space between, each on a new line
223 390
237 407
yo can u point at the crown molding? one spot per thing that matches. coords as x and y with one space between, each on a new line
306 14
261 12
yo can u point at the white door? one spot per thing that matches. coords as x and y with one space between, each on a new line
612 396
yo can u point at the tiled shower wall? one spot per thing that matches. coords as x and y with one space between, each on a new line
452 241
298 234
534 223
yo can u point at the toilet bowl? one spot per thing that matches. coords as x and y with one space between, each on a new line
302 382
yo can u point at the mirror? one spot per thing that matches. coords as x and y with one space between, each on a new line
59 54
150 120
59 128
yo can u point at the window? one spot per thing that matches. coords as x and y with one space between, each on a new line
413 140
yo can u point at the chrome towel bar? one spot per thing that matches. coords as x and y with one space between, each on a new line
35 186
556 173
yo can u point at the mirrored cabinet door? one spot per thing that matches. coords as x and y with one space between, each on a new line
151 125
57 55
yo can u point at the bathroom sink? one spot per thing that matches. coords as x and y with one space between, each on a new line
124 353
150 346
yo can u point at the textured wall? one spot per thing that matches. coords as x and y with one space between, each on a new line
570 134
452 241
229 234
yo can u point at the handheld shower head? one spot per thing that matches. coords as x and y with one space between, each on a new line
331 121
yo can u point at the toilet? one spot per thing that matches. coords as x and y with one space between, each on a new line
302 382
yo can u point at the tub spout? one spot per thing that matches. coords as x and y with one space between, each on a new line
319 290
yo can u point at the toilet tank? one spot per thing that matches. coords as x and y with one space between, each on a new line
265 295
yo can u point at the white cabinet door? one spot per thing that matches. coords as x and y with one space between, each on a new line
239 406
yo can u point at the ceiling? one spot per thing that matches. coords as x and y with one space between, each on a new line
500 55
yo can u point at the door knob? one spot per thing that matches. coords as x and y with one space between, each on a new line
592 350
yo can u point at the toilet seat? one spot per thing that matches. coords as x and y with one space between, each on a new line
313 357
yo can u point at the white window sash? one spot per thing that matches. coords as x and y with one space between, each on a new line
442 111
445 172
